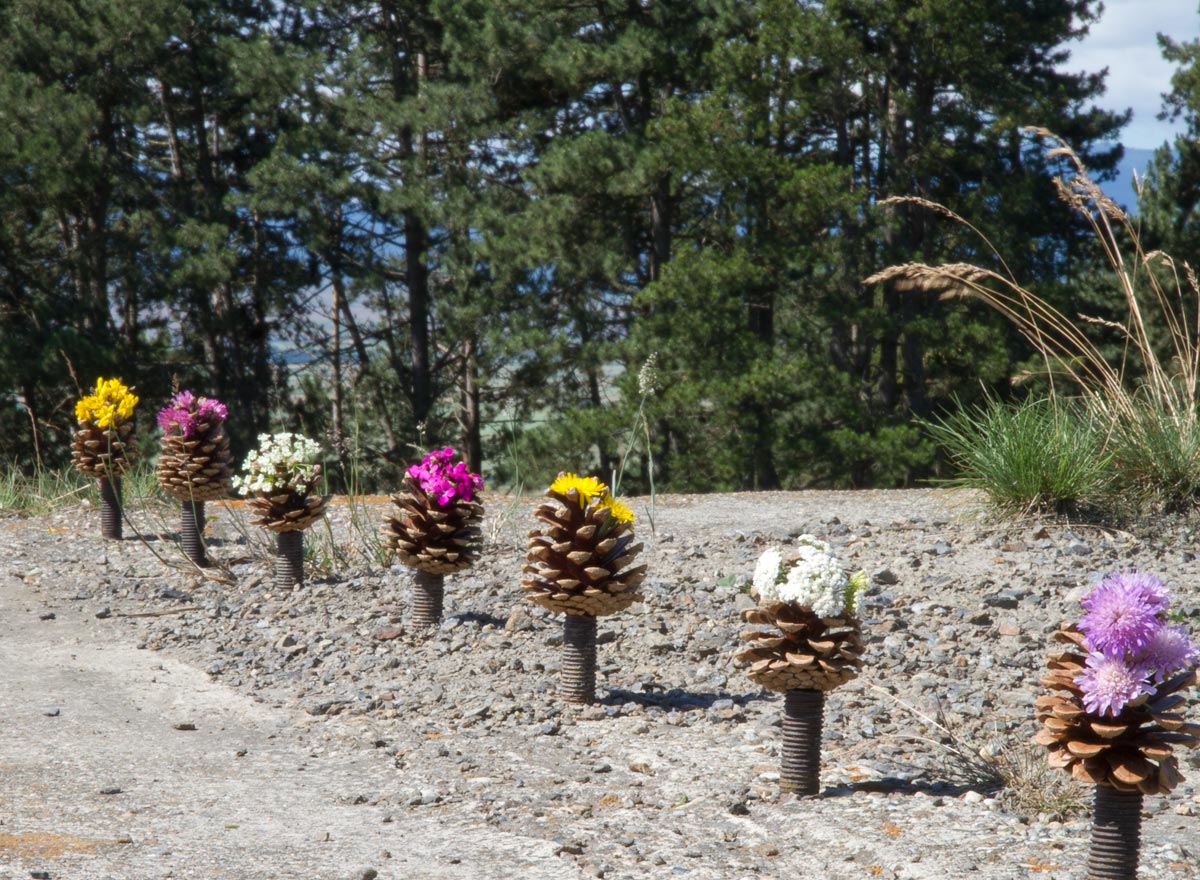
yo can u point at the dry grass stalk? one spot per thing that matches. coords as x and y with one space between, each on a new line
1169 382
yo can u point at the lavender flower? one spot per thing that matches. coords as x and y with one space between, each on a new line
1109 684
1123 613
1169 651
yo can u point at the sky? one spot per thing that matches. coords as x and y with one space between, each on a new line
1124 41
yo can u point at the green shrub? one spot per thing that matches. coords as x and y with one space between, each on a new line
1039 455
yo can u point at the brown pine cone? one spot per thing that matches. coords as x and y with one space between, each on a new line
103 452
578 563
196 468
291 511
803 652
429 538
1131 752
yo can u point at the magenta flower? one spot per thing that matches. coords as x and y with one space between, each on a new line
1169 651
1122 614
1109 684
185 412
444 482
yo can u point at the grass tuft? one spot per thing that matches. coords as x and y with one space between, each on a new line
1036 456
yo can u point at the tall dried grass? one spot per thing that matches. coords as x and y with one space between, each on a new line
1145 398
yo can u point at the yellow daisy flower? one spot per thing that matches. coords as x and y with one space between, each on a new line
617 510
588 487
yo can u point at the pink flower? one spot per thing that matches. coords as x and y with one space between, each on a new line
444 482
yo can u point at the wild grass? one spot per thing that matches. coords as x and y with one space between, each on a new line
1015 771
1145 396
1033 788
46 490
1028 457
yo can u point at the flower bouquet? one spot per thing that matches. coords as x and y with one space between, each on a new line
579 565
279 479
1111 716
435 530
814 645
101 447
194 466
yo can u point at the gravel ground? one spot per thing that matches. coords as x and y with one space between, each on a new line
161 724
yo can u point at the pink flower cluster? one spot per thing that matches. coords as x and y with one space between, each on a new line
186 412
444 482
1132 645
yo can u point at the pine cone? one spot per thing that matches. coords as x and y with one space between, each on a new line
196 468
575 565
429 538
1131 752
103 452
291 511
805 652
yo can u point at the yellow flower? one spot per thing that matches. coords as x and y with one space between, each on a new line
112 403
617 510
588 487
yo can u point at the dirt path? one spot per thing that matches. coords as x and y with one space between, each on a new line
99 781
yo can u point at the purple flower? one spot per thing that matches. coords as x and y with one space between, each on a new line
186 411
1109 684
444 482
211 410
1169 651
1122 614
170 416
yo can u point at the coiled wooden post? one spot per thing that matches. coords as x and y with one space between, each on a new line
428 594
577 677
803 715
1116 834
289 559
110 508
191 532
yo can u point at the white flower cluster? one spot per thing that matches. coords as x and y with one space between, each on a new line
813 579
280 464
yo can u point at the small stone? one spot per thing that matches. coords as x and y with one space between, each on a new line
387 632
973 797
124 838
184 725
364 874
46 615
1184 810
50 713
1008 628
40 875
885 576
104 613
110 789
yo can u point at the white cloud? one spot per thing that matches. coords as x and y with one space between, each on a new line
1124 40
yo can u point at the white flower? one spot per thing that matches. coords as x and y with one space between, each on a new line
814 580
280 464
767 572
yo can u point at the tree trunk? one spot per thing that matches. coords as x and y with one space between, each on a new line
472 433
